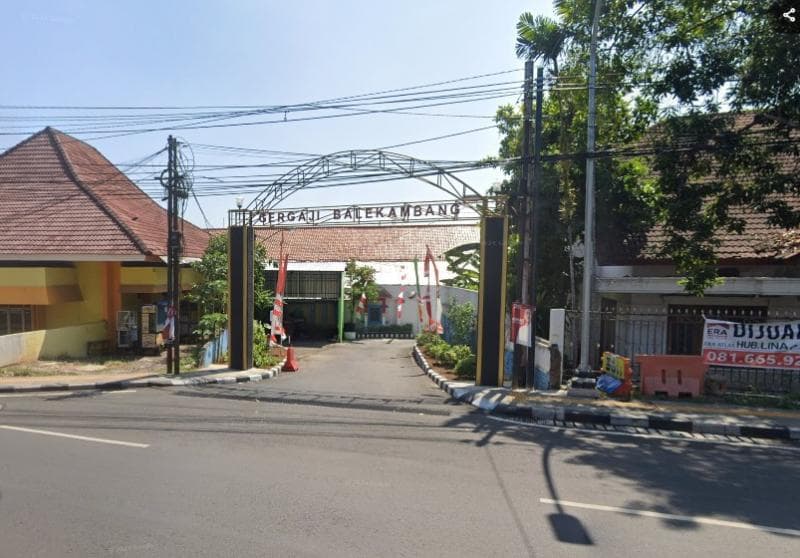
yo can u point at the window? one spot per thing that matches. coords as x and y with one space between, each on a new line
15 319
685 324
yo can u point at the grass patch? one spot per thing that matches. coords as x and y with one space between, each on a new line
27 372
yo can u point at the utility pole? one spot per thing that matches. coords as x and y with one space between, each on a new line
536 217
588 233
170 210
521 357
174 243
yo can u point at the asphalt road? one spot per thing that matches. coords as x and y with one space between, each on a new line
359 454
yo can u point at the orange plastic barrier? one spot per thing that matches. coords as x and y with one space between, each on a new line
672 375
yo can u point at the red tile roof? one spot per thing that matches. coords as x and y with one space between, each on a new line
759 241
60 196
366 244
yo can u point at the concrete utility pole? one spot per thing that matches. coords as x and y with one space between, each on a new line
535 194
174 243
523 214
588 234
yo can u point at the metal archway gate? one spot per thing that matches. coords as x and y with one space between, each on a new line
365 167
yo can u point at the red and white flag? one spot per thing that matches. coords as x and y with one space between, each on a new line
401 295
434 307
362 304
168 332
276 318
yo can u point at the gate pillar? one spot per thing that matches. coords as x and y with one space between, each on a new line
492 300
241 243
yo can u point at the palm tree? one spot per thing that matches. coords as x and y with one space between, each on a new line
543 38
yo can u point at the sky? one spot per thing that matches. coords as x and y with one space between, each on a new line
261 53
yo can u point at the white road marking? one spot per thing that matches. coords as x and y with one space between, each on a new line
36 394
710 439
659 515
75 437
118 391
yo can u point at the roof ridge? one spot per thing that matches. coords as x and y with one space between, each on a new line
73 175
23 142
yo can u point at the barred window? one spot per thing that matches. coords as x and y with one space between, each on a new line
15 319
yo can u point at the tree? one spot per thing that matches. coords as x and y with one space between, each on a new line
361 279
464 262
211 292
625 203
708 90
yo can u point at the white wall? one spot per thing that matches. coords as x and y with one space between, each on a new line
410 312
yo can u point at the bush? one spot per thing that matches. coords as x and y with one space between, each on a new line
261 356
462 320
466 367
461 352
427 338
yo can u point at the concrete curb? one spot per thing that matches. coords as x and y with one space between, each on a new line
158 381
498 401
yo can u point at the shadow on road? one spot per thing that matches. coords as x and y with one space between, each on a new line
700 479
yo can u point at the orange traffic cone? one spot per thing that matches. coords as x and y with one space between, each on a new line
291 364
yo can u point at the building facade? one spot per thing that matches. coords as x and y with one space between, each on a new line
79 242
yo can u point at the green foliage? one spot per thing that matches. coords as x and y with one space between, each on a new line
210 325
464 262
466 367
461 319
361 279
211 292
427 338
261 355
676 64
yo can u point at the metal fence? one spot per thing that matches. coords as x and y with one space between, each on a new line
677 330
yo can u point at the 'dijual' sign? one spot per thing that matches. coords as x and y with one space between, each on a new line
359 214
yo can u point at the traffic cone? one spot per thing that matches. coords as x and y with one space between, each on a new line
291 364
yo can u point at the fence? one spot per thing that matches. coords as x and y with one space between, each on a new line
677 330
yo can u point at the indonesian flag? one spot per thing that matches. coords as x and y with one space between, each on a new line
434 307
362 304
276 318
401 294
168 333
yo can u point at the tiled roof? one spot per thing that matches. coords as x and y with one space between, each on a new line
366 244
59 196
759 240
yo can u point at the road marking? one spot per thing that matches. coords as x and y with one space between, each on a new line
118 391
672 517
75 437
712 439
36 394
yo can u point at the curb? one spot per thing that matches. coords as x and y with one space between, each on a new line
492 401
158 381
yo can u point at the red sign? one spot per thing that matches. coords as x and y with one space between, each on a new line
521 324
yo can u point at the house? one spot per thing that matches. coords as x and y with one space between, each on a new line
642 307
78 243
318 256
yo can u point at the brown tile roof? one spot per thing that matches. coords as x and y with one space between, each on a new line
365 244
60 196
759 240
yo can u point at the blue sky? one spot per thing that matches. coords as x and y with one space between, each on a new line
182 53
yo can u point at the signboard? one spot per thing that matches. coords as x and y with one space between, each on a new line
521 324
765 345
358 214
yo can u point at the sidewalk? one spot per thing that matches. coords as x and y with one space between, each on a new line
215 374
727 420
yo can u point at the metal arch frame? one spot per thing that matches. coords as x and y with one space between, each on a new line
376 161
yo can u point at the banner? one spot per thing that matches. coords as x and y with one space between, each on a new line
521 324
276 317
764 345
